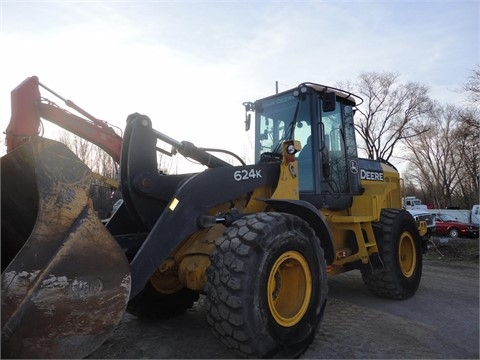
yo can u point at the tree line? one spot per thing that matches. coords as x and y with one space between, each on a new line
439 142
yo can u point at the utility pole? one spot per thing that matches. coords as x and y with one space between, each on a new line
276 87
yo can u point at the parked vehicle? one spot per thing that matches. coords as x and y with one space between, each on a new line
411 203
462 215
423 215
446 224
475 214
467 216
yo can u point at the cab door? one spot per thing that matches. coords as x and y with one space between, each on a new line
334 173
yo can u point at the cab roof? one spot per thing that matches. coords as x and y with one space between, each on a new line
357 100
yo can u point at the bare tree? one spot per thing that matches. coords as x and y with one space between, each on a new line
95 158
392 112
101 189
445 160
467 139
102 163
472 86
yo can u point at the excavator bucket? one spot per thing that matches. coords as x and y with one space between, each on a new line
65 280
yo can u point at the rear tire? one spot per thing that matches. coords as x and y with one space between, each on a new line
267 286
453 233
152 305
401 256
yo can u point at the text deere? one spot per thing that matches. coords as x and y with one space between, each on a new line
371 175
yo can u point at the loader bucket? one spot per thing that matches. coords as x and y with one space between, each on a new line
65 280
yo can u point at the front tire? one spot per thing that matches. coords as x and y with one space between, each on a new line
401 258
267 286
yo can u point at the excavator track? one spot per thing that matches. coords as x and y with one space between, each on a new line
65 280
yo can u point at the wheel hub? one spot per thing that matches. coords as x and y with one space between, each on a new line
289 288
407 255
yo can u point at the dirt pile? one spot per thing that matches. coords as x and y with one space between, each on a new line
454 249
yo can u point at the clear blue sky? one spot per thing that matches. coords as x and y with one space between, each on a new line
189 65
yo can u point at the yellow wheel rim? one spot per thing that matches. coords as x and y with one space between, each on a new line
289 288
407 254
165 284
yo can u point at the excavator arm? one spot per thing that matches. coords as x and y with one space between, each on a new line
28 107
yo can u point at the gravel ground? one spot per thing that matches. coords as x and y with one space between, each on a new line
440 322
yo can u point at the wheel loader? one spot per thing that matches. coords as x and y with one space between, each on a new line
257 241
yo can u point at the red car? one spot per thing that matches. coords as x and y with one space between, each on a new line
446 224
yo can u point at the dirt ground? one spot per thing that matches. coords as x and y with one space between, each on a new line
440 322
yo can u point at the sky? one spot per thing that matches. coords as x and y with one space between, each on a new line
189 65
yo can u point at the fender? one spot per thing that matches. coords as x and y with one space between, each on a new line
310 214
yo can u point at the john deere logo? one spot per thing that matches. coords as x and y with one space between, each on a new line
371 175
353 167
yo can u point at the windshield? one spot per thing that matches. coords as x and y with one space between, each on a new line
275 121
445 217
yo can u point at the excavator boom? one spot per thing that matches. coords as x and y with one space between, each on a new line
28 107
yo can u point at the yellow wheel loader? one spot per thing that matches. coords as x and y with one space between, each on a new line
258 241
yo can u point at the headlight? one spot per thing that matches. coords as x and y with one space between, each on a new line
291 149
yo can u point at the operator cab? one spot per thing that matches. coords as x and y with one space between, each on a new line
321 118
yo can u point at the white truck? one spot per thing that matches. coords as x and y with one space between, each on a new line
420 212
475 214
467 216
411 202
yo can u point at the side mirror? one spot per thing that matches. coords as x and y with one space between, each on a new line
247 121
249 106
329 101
